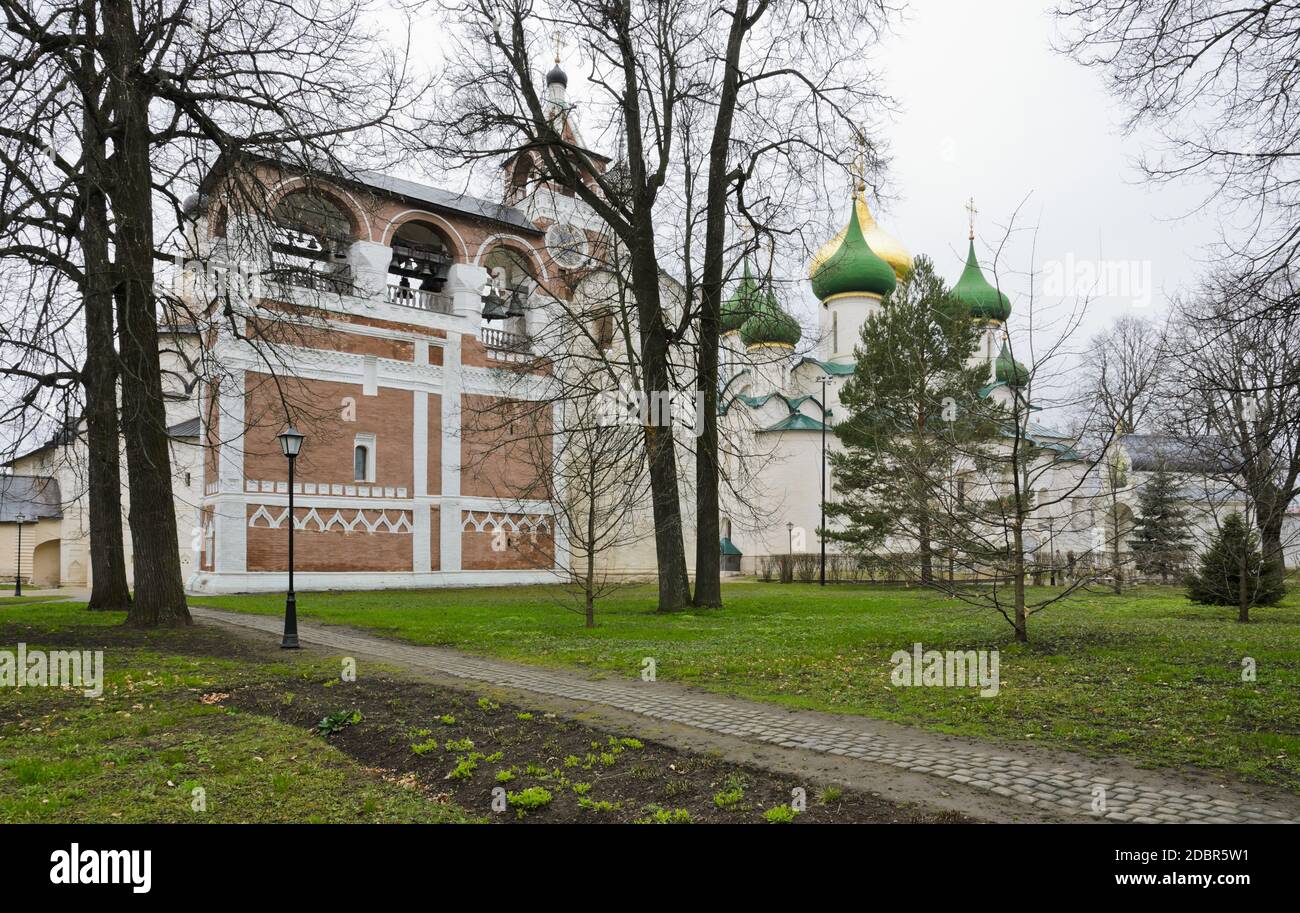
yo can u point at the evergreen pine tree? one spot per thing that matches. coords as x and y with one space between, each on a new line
1160 540
1233 571
912 399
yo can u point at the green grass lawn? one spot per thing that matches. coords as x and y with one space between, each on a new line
138 752
1146 674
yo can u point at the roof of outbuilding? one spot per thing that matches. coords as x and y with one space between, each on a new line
33 497
187 428
434 197
1147 452
791 402
830 367
797 422
446 199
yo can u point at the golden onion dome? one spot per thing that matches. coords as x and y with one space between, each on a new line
882 244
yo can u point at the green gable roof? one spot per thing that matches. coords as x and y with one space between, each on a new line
791 402
830 367
798 422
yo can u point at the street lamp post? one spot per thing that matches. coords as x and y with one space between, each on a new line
18 577
789 538
821 532
291 444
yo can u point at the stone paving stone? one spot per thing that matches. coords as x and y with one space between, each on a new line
1056 788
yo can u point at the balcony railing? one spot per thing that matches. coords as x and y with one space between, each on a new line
337 280
506 342
417 298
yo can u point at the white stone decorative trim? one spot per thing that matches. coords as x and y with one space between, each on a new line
369 375
271 520
504 521
349 368
422 541
493 240
232 534
409 215
501 382
273 581
420 442
286 185
337 489
449 558
480 504
545 203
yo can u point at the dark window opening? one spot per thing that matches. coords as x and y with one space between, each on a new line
361 463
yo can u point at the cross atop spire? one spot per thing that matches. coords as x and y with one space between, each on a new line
860 162
970 214
557 77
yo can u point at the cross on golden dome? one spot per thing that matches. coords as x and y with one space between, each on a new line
860 162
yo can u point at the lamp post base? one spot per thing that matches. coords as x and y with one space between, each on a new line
290 639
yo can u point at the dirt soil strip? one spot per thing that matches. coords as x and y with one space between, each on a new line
982 780
481 753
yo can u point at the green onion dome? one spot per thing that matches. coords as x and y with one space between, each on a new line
973 290
1009 371
768 324
853 268
742 303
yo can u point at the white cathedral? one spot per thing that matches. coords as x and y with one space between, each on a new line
785 404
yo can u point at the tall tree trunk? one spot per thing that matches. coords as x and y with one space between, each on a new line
927 552
109 590
674 584
1243 582
159 591
1018 571
1117 572
1270 536
708 538
708 534
592 496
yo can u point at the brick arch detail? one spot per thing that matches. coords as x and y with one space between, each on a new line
362 230
461 253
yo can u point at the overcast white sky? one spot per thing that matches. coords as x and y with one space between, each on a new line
990 110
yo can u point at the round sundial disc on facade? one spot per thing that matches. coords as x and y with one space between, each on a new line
567 245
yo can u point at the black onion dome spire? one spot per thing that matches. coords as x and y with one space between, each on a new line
557 75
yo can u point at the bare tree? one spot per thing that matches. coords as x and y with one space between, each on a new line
598 482
1218 80
1125 367
54 226
1236 401
724 112
150 96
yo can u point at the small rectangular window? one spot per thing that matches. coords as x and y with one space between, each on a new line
363 458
